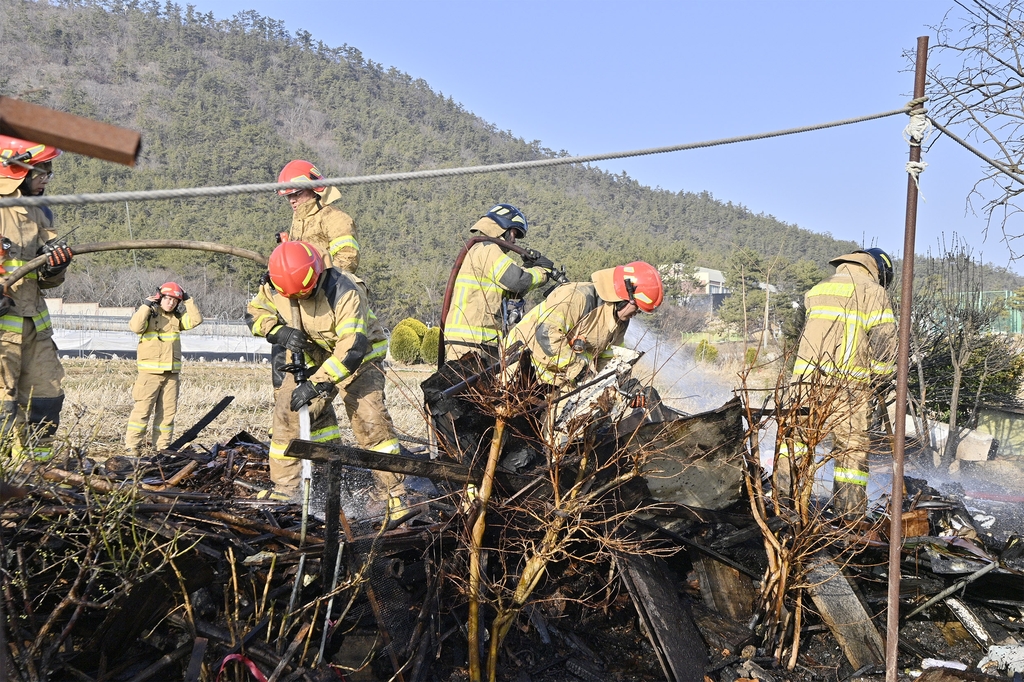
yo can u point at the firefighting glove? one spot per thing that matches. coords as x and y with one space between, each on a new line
152 301
184 296
58 257
264 278
291 338
305 392
542 262
6 303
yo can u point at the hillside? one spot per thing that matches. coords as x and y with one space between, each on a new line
230 101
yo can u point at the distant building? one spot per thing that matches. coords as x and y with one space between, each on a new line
57 306
713 281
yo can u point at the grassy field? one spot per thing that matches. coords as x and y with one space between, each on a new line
99 400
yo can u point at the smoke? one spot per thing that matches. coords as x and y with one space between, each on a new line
683 383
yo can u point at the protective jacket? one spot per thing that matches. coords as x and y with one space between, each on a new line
28 229
160 336
570 332
850 331
329 229
336 317
487 276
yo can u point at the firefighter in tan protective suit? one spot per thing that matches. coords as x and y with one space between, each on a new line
570 333
159 324
487 280
316 220
847 349
30 371
342 344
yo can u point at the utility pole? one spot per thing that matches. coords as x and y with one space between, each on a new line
902 377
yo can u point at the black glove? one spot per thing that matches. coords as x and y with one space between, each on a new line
306 392
58 256
184 296
6 303
541 262
264 278
152 301
291 338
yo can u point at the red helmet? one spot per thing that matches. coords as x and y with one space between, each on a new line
297 170
173 290
17 157
295 268
639 282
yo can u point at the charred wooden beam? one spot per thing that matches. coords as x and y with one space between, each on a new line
435 470
192 433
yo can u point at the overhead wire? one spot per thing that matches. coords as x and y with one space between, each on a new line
227 190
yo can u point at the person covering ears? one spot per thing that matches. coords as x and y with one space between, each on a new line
30 371
159 322
322 316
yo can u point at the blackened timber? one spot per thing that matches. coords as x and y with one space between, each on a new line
435 470
667 620
191 434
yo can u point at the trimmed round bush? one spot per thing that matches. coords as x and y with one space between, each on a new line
415 325
706 352
428 348
405 345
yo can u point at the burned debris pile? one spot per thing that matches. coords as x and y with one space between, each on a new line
637 557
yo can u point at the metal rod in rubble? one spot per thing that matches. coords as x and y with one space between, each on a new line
902 376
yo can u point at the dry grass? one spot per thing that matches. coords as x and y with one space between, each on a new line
99 400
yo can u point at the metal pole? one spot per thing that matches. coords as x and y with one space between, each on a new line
902 375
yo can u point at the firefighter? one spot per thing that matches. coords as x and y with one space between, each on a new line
488 281
340 346
317 221
847 351
31 371
571 332
159 322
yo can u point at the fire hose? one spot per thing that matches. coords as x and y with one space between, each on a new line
556 275
127 245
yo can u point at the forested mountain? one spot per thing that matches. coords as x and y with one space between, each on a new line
230 101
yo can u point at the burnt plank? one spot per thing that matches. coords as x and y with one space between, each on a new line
844 613
668 621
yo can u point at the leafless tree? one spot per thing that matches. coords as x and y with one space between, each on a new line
977 80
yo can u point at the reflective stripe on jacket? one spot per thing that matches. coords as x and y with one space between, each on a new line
570 331
850 330
28 228
487 276
160 336
332 317
329 229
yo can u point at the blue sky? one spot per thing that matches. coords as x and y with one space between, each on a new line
604 75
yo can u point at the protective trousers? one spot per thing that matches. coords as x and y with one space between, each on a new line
363 397
155 394
30 378
286 472
844 414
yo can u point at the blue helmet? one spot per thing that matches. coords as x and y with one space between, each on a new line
509 218
884 263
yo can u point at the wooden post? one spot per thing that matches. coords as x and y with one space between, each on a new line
902 376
